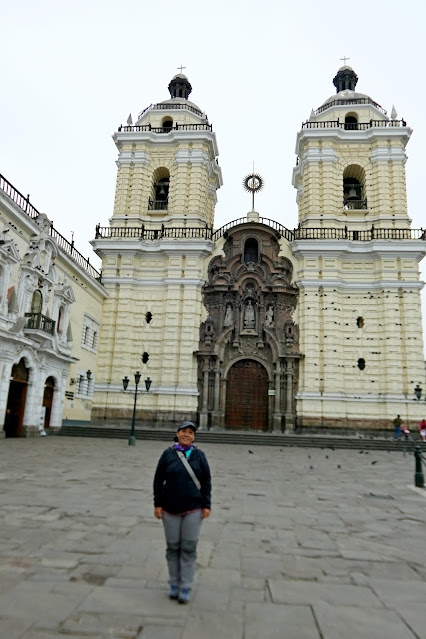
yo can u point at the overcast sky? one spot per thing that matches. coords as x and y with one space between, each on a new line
73 71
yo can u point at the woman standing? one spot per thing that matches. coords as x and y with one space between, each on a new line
182 493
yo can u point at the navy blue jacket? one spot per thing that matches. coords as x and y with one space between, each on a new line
174 489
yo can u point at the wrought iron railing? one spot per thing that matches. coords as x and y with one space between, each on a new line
67 247
40 322
282 230
353 126
157 205
341 101
165 129
17 197
355 205
142 233
169 106
362 236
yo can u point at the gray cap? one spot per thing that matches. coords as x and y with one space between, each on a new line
187 425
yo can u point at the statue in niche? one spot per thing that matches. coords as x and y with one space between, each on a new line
269 316
229 320
249 315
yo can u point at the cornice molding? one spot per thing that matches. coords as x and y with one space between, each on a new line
314 283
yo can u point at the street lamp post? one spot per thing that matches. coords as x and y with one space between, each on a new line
132 439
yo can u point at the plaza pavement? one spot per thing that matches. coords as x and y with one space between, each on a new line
301 544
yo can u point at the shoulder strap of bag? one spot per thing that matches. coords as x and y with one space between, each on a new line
189 469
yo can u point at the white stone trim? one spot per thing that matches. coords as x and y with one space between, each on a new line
126 158
319 155
192 156
352 137
166 281
359 286
157 390
178 246
355 249
166 139
382 398
388 154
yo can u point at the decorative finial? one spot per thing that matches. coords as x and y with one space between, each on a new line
181 68
394 114
344 60
253 183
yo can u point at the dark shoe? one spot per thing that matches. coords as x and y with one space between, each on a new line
173 592
184 595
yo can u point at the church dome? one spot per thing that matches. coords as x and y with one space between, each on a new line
345 82
179 89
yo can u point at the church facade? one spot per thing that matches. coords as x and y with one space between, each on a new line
249 326
255 325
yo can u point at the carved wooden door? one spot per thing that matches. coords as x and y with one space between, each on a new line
247 396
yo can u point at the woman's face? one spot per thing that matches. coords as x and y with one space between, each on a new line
185 436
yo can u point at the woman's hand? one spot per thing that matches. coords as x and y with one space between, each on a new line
158 512
205 513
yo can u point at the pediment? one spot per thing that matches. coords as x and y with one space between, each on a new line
9 252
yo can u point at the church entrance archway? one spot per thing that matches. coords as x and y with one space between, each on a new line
247 396
48 400
16 399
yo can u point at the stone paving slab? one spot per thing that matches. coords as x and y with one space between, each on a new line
301 543
275 622
349 623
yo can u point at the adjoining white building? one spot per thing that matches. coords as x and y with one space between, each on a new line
50 305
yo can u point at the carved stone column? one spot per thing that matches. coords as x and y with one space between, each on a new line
276 422
216 398
205 397
289 411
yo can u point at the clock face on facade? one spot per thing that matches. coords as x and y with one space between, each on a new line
253 183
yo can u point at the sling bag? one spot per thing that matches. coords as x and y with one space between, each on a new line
189 469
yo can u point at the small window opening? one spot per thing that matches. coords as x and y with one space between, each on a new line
167 125
251 250
148 317
361 364
36 302
360 322
58 325
351 123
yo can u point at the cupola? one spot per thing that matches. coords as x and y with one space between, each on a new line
180 87
346 78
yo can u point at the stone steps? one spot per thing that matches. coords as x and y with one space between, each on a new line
248 438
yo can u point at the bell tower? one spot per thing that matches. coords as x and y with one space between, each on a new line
153 257
167 165
358 276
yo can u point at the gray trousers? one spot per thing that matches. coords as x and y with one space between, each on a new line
182 533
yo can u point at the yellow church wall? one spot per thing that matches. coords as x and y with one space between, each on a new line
166 283
189 194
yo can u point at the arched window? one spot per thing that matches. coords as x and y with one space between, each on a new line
251 250
159 199
354 188
58 323
351 122
37 302
167 125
